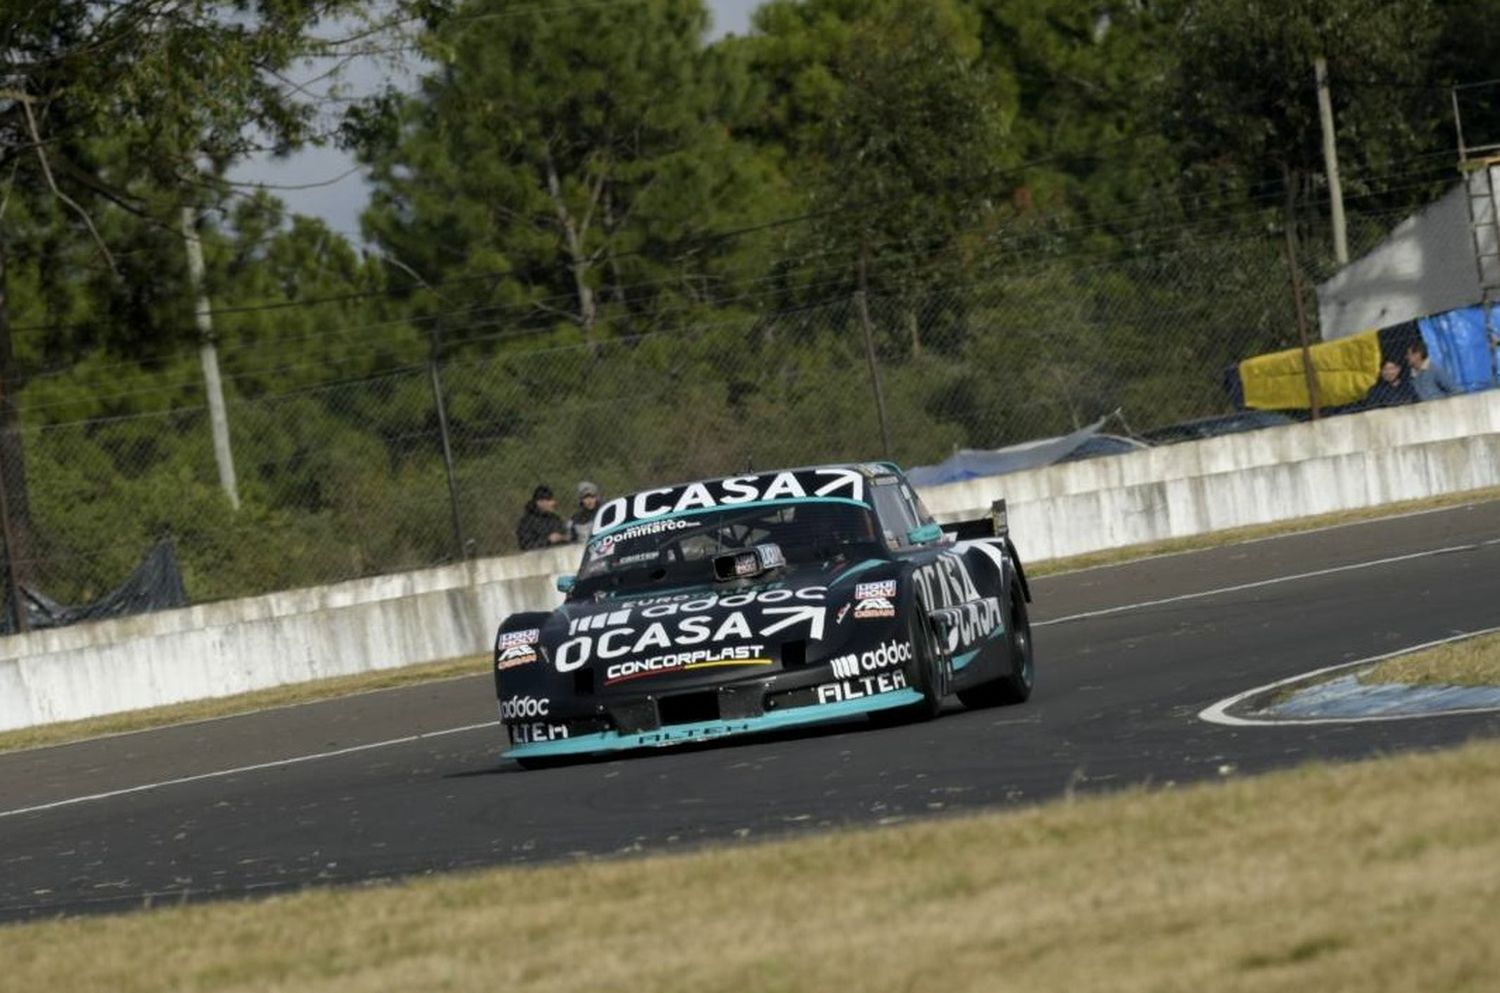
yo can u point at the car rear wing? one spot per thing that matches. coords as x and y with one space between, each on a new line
995 524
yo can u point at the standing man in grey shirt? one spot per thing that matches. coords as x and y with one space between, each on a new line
1427 377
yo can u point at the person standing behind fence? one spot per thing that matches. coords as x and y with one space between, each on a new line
539 525
581 525
1428 379
1392 389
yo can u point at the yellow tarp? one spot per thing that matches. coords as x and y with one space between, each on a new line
1345 368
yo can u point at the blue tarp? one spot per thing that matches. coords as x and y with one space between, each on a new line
971 463
1457 341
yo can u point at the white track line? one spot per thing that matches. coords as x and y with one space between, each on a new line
1201 594
1219 712
1056 620
220 774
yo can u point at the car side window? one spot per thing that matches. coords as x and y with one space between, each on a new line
896 514
918 508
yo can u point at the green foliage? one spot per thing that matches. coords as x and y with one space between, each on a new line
565 165
634 253
1243 91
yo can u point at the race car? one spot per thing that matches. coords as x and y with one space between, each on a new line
761 602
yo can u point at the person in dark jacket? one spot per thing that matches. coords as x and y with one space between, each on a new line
540 526
581 525
1392 389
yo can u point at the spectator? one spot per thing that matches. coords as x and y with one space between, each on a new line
582 523
1428 379
540 526
1392 388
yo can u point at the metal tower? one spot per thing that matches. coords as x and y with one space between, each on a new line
1479 164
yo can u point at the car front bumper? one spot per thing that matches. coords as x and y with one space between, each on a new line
678 734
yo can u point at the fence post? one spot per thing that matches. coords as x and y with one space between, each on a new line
861 301
433 355
17 601
1308 373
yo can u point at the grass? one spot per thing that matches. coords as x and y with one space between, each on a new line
1231 536
241 703
1374 877
56 734
1471 662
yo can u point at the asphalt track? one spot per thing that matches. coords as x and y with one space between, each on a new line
406 782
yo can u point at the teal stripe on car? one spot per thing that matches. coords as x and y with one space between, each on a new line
964 658
614 741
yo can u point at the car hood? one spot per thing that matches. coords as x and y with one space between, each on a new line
703 634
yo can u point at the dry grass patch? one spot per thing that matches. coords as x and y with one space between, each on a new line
242 703
1367 878
1213 539
1471 662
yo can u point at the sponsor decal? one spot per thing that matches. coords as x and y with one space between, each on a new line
603 619
703 658
533 731
715 493
843 612
854 689
970 623
637 558
521 707
639 531
874 607
667 735
945 582
510 639
886 656
675 631
693 603
885 589
509 658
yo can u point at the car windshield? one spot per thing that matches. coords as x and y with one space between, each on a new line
681 548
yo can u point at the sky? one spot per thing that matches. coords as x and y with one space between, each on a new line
333 188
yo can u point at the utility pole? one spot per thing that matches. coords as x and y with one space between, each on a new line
434 356
208 352
1331 162
434 371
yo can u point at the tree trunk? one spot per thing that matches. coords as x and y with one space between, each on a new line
578 259
861 300
916 332
20 547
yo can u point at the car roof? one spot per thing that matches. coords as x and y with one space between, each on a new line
832 482
869 470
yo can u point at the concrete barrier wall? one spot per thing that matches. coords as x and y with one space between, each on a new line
234 646
219 649
1344 463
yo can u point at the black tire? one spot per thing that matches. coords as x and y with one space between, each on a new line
924 674
1014 687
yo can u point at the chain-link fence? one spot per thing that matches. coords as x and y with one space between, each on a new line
433 462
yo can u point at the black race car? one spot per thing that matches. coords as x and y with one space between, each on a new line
760 602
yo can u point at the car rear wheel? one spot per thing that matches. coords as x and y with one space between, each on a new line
1015 686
